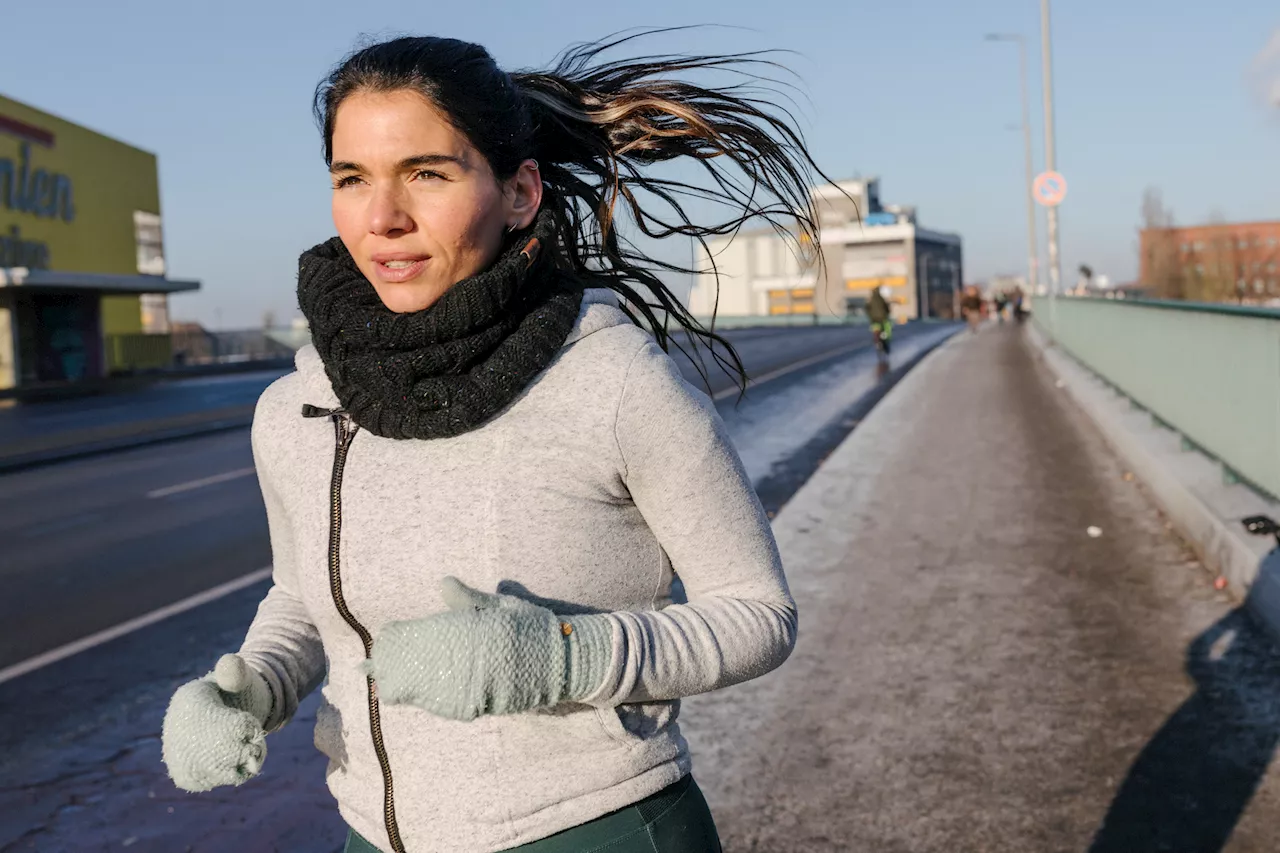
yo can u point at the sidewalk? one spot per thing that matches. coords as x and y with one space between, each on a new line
975 671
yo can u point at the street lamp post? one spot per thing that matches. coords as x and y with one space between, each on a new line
1050 162
1033 253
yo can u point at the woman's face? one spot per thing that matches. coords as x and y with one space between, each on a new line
415 203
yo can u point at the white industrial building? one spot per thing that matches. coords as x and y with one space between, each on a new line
865 245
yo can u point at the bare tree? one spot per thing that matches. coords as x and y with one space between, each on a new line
1154 212
1221 279
1161 267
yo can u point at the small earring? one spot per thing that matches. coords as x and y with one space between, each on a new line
511 229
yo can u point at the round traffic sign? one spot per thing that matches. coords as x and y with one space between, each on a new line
1050 188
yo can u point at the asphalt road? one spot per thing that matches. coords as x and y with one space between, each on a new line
92 543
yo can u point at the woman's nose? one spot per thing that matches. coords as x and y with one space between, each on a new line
388 215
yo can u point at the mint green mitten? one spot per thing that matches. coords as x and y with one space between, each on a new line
489 654
213 732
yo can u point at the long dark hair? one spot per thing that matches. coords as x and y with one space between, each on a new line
593 126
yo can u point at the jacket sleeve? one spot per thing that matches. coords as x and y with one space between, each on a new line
282 643
689 484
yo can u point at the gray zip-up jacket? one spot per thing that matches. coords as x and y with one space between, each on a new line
604 480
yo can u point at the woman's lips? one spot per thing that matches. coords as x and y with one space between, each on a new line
399 270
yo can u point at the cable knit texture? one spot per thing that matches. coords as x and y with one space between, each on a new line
586 497
489 654
451 367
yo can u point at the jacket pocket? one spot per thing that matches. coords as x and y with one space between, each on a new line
330 737
553 756
631 724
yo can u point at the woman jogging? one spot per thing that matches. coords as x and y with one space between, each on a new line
485 475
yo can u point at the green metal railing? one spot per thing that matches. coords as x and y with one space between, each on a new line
1210 372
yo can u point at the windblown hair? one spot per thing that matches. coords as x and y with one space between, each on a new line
594 125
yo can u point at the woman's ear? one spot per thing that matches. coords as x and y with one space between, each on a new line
524 195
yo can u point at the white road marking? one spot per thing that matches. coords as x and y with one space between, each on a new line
62 652
199 484
783 371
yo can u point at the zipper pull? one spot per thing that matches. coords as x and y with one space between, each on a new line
347 427
310 411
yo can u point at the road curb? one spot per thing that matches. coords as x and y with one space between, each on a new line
40 458
801 527
780 486
1186 484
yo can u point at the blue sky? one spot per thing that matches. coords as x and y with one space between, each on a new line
1148 93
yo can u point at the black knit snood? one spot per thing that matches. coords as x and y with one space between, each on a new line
451 367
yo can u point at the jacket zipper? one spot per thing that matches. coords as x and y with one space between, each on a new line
344 432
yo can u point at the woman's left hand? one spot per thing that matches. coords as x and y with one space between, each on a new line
488 654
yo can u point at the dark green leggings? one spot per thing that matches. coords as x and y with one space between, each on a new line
674 820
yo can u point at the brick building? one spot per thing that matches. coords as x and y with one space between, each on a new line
1230 262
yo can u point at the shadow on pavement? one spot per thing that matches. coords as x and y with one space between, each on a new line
1190 784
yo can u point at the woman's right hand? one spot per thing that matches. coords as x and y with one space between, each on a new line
214 730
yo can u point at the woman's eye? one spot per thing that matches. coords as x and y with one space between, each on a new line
427 174
349 180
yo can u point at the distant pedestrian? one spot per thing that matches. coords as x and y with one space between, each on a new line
971 307
484 478
879 315
1019 306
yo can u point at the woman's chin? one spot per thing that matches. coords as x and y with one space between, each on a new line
408 298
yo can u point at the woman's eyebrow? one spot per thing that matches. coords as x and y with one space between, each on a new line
407 163
430 160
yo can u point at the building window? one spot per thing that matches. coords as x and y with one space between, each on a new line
1243 244
1199 245
155 313
150 241
785 301
1199 269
